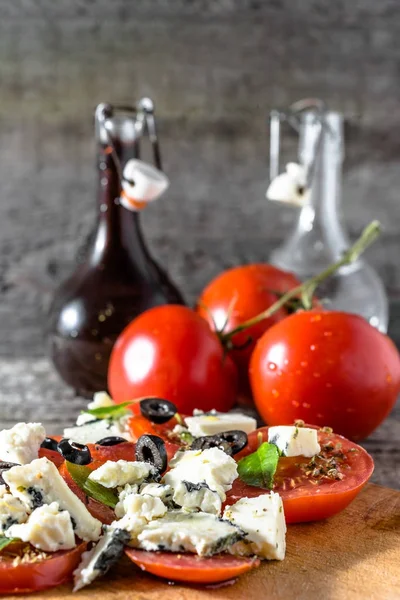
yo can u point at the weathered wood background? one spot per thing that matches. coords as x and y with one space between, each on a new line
214 68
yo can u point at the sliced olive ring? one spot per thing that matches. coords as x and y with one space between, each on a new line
151 449
75 453
157 410
230 442
112 440
5 466
50 444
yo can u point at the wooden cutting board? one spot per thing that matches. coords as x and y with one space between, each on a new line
354 556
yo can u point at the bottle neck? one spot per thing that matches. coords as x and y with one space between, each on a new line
322 217
119 234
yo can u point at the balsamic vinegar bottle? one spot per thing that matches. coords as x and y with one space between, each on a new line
118 278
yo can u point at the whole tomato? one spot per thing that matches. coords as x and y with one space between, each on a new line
170 352
238 295
327 368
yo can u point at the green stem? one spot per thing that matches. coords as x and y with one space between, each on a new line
307 289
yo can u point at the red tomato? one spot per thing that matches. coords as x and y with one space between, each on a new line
28 577
190 567
238 295
170 352
309 495
328 368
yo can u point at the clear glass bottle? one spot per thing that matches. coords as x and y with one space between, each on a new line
117 279
319 236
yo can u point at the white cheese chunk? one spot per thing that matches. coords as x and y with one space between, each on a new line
124 491
40 483
263 519
211 424
179 531
141 505
21 443
158 490
212 466
101 557
119 473
94 431
12 511
47 529
100 400
197 496
3 490
295 441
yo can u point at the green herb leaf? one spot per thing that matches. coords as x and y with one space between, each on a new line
93 489
99 492
5 541
110 412
258 469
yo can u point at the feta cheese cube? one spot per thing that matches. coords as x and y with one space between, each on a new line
295 441
212 466
179 531
47 529
117 474
197 496
12 511
141 505
21 443
40 483
158 490
90 432
211 424
263 520
101 557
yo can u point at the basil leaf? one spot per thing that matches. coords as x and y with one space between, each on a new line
93 489
5 541
110 412
99 492
258 469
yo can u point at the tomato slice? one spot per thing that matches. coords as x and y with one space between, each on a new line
138 425
190 567
41 573
312 490
99 511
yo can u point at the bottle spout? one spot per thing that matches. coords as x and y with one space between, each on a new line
141 184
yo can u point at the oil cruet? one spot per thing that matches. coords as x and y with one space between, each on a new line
117 279
319 236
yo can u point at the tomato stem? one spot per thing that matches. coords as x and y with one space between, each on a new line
307 289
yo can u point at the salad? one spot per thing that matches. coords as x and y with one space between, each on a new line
198 498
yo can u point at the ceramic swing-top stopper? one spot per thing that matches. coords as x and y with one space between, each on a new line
290 187
141 183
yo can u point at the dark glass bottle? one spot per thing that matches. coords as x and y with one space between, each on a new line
117 280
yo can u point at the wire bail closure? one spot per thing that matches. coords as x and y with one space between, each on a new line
292 116
141 182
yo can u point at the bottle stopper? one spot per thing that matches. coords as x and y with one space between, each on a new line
141 184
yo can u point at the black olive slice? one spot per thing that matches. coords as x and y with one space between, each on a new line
211 441
50 444
5 466
236 438
151 449
112 440
157 410
230 442
79 454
